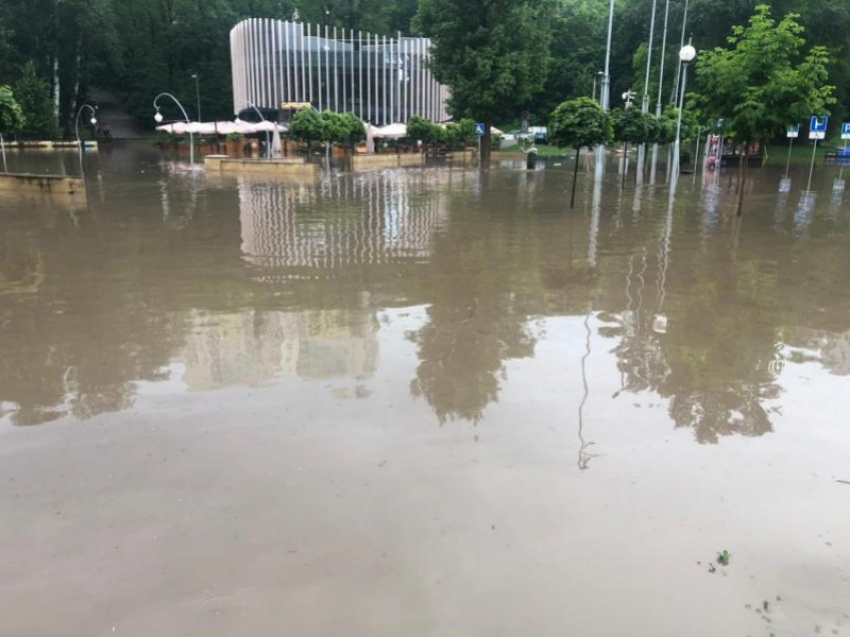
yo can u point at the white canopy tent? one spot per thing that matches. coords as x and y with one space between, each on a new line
221 128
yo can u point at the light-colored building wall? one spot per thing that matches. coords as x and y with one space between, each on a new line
382 80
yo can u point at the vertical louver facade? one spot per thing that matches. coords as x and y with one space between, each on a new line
381 80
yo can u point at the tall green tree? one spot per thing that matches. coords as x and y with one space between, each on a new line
763 81
33 94
492 54
11 118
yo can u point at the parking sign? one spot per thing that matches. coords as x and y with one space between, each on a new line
845 130
817 127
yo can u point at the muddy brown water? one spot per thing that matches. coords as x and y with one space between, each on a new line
422 402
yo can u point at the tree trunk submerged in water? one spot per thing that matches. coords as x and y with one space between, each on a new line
575 176
742 180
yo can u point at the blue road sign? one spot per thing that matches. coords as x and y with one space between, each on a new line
817 127
845 130
480 129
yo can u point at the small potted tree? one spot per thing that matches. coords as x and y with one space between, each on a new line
577 123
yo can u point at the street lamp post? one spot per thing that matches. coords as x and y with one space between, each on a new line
92 121
644 106
686 56
660 86
158 117
197 94
268 140
605 94
681 45
595 77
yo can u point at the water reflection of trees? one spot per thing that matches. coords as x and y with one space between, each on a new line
89 309
711 351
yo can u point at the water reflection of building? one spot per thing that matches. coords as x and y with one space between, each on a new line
371 219
251 347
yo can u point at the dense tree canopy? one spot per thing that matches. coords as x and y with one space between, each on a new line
499 50
494 56
764 82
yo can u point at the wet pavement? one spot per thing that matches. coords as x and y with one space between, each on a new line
423 402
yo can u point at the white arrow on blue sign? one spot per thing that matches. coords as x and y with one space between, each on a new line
817 127
480 129
845 130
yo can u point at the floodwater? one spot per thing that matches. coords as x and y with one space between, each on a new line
423 402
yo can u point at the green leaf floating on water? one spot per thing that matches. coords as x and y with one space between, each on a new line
723 557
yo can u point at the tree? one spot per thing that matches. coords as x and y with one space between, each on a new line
307 126
764 81
577 123
33 95
461 134
424 131
351 130
493 56
630 125
11 117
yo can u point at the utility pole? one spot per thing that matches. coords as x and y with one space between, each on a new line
605 91
644 107
660 86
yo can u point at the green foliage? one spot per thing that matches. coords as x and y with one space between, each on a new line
33 95
631 125
461 134
580 122
11 116
307 126
454 135
310 126
764 81
493 56
351 128
341 128
724 557
424 130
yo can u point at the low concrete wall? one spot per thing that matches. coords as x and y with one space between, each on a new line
295 166
374 162
44 184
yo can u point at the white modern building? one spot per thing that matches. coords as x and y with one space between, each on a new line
382 80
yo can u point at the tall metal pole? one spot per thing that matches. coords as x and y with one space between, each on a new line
198 95
605 90
681 44
652 171
675 167
644 107
606 79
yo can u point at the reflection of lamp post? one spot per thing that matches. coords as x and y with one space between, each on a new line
92 121
158 117
686 56
268 141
